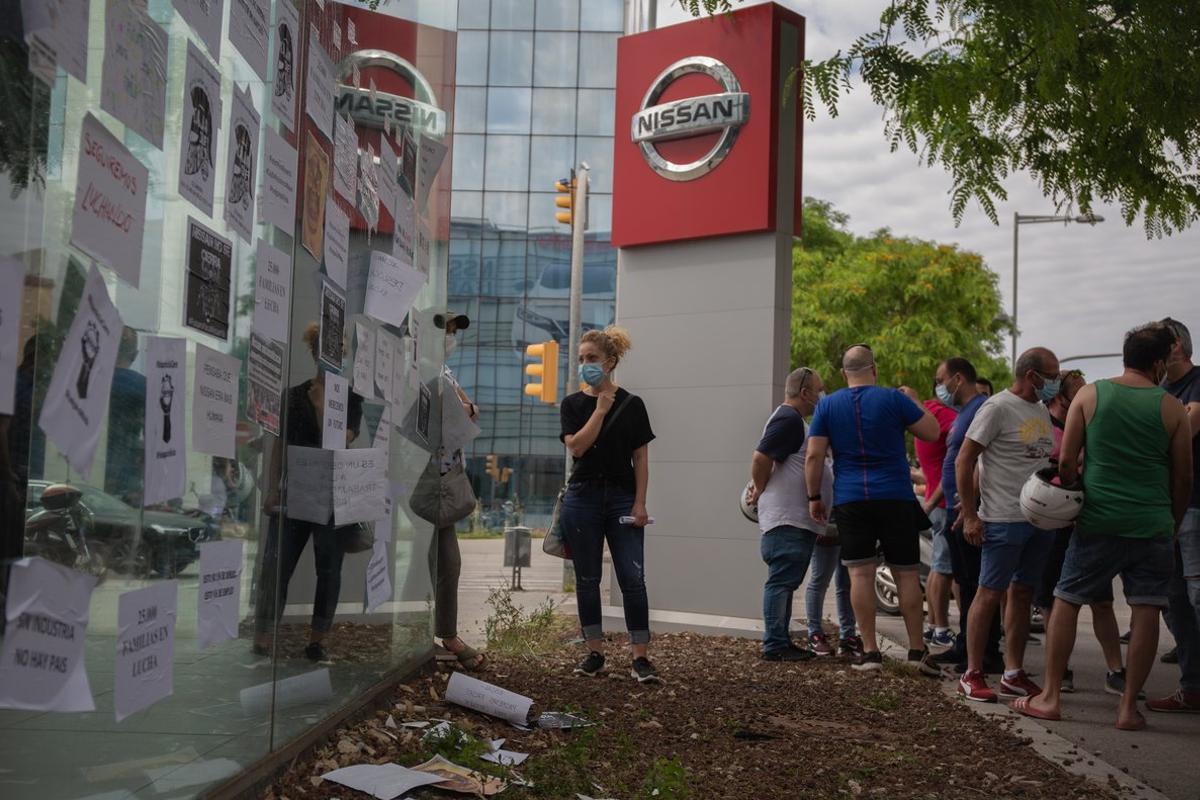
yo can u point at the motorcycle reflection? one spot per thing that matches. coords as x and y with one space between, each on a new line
60 529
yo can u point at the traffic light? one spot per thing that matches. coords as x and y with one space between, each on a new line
492 468
547 354
565 199
505 474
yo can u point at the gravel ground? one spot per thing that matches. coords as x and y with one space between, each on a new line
723 725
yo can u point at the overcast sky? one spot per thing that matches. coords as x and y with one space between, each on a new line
1081 287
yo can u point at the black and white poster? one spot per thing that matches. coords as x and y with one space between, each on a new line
166 396
208 282
284 83
333 326
201 118
408 163
264 391
76 405
240 165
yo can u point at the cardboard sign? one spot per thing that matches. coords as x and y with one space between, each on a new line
333 419
208 282
198 134
144 670
392 286
240 164
12 291
316 189
220 591
166 396
272 288
109 217
250 31
337 241
345 158
205 17
76 405
41 660
319 86
279 182
287 37
133 87
214 404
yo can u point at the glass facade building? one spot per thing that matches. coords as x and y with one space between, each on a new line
535 98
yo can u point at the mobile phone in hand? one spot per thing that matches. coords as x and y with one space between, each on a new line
630 521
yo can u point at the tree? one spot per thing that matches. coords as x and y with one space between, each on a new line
1099 100
914 302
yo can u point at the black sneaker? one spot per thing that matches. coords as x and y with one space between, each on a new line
644 671
1125 637
1067 686
850 646
1114 683
316 652
789 654
922 660
868 661
950 656
591 666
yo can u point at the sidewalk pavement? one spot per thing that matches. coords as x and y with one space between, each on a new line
483 571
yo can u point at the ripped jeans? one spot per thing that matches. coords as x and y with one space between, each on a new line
590 515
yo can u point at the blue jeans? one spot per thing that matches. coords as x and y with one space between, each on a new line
786 551
941 543
590 515
826 563
1013 552
1184 597
1093 560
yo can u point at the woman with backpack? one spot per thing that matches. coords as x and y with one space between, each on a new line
607 431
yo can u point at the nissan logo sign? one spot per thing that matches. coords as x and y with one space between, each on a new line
421 114
725 112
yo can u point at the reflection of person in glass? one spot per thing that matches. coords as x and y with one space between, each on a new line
286 538
125 451
166 396
89 344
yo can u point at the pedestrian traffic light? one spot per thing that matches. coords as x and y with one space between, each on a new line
491 467
565 199
547 370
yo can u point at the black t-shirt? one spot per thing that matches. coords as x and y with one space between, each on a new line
1187 389
304 426
611 456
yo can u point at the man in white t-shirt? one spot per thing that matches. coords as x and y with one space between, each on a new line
789 532
1011 437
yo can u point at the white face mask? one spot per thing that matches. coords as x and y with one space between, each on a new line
451 343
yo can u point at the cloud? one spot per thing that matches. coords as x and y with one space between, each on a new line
1080 287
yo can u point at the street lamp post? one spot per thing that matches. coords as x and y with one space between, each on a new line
1033 219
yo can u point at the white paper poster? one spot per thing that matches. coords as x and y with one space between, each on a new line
359 485
264 387
220 592
166 396
309 484
458 429
488 698
110 201
240 172
364 359
337 241
59 28
279 181
432 154
368 188
41 661
144 671
287 35
272 285
201 119
214 402
392 286
337 400
250 32
318 89
385 354
12 289
379 582
405 215
345 158
389 168
205 17
76 405
383 432
134 82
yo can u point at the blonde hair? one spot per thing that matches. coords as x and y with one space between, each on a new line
613 341
312 333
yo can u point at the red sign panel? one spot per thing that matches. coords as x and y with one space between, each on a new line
697 127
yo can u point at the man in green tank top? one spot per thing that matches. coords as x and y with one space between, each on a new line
1136 489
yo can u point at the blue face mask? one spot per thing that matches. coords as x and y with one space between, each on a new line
943 394
591 374
1049 389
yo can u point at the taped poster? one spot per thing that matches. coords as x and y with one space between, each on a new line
345 158
144 668
166 396
332 338
250 32
279 182
208 282
333 417
202 118
240 172
214 404
316 189
272 288
364 360
392 286
219 587
319 85
264 387
205 17
133 85
284 87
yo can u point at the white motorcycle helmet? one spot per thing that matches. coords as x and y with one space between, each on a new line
1047 505
749 510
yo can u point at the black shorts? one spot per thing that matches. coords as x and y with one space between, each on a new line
868 526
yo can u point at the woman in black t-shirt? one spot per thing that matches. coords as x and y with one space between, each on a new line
304 422
607 431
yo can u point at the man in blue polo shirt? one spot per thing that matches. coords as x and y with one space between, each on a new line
872 494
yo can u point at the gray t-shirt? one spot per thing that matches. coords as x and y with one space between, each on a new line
1018 439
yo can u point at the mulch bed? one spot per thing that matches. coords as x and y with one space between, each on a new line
724 725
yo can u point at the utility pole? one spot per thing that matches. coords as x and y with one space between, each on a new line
578 217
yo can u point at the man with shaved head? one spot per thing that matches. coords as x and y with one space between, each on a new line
864 424
1010 438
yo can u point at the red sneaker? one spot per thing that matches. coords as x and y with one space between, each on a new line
1019 686
819 644
973 686
1179 703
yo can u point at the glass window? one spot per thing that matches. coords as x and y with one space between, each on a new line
557 15
541 214
469 109
602 15
511 59
598 54
553 110
507 166
550 158
508 110
556 62
504 265
600 213
467 207
468 162
504 211
472 14
463 277
472 58
598 153
512 14
595 112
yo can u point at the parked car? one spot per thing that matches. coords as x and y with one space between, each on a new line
134 541
887 599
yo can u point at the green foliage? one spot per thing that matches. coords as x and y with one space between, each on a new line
914 302
511 630
1099 100
563 770
882 701
666 778
458 746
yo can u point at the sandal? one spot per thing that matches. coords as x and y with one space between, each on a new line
1021 706
468 657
